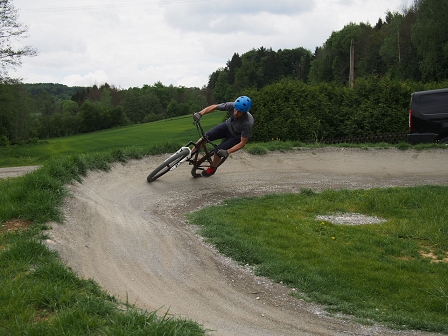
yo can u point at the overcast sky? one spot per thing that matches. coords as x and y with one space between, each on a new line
178 42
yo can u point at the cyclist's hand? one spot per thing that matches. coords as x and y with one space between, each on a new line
197 116
222 153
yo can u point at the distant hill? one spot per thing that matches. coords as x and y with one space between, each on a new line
57 91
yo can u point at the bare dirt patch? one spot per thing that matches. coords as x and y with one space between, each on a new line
350 219
433 257
132 237
15 225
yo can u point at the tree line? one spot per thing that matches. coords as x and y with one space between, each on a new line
39 111
411 45
407 49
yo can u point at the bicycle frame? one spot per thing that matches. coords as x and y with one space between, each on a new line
196 153
201 143
201 157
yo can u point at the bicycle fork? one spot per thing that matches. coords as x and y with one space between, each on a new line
186 158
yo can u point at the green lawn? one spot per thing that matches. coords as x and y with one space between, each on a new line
395 272
177 131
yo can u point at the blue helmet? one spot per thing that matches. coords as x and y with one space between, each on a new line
243 104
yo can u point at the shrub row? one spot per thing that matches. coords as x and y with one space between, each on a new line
293 111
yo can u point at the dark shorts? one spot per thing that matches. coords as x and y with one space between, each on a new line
222 132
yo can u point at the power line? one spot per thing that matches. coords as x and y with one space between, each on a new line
73 8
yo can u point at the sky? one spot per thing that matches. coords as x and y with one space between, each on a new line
175 42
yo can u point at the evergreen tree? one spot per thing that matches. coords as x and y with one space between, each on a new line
430 36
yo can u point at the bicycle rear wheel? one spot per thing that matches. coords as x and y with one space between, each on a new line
203 163
169 163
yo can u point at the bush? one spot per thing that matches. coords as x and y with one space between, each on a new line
293 111
286 110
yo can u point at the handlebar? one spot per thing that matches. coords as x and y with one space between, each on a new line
198 125
202 133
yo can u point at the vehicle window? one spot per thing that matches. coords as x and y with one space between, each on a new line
434 103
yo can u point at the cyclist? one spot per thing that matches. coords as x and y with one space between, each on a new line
235 131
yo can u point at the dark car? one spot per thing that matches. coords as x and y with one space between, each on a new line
428 117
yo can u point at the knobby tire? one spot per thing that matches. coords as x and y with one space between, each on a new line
167 165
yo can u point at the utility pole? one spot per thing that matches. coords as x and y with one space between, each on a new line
352 65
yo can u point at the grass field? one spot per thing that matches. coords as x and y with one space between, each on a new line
176 131
393 272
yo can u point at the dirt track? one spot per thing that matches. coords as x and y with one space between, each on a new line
132 238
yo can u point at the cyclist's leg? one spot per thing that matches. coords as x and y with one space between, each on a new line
198 146
218 132
225 144
217 160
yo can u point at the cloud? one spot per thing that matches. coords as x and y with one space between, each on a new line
178 42
93 78
232 16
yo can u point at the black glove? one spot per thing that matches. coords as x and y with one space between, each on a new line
222 153
197 116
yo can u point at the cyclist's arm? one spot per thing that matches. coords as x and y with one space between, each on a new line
208 109
239 145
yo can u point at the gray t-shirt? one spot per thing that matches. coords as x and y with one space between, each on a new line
238 127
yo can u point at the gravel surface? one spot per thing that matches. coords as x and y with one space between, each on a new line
132 237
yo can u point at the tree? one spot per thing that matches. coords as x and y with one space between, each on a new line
91 116
16 119
391 50
171 110
430 36
233 65
320 70
397 51
246 76
10 31
295 63
270 68
115 117
221 86
409 55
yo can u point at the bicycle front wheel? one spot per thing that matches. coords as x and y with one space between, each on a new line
168 164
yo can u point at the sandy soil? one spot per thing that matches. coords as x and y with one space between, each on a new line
132 237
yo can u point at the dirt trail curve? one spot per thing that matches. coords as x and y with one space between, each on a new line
132 238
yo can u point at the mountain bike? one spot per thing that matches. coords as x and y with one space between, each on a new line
198 154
